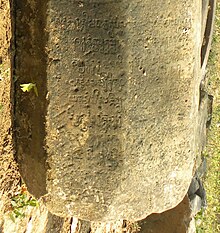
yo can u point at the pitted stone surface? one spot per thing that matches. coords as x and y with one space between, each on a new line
123 84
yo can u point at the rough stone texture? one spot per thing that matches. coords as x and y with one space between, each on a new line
192 226
196 204
116 116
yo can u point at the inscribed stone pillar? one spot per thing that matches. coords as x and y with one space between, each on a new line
121 101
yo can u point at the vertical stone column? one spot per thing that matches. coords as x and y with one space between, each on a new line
119 103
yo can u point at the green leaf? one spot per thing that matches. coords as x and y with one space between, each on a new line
23 196
27 87
1 107
13 203
12 217
18 213
32 202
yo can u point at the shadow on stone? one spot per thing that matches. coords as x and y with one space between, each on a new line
29 117
175 220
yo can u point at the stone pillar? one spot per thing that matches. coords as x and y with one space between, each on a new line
120 94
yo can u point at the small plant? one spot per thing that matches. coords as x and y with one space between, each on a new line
27 87
1 107
20 202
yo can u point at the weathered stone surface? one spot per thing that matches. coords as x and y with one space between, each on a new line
196 191
192 226
196 204
112 133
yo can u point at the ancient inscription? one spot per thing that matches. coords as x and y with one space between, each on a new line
96 1
108 24
91 69
119 81
99 80
104 46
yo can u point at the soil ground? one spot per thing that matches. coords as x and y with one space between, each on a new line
9 175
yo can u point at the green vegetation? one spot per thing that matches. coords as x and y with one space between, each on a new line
28 87
208 221
19 203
